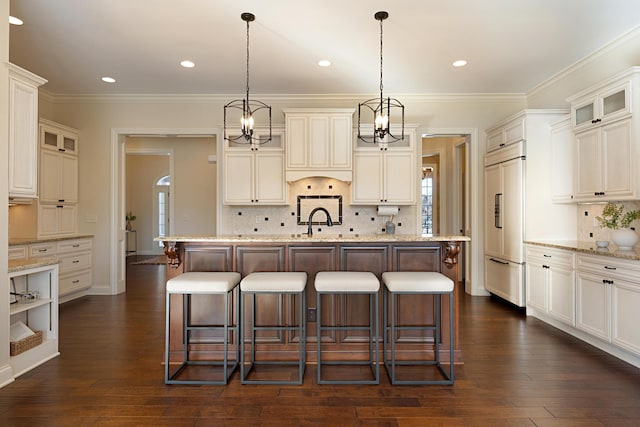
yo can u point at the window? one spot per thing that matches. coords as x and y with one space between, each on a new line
427 200
162 192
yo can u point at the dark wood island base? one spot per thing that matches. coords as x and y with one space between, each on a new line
376 254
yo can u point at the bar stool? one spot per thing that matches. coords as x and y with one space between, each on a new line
421 283
200 283
349 282
293 283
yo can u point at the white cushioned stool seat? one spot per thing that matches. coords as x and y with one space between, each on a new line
198 282
274 282
346 281
417 281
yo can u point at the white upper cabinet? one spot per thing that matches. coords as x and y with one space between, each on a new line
58 163
385 175
319 143
606 166
506 134
605 105
23 132
254 175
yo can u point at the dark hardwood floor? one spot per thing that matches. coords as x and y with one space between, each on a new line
517 372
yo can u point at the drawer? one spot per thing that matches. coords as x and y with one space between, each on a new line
74 245
610 267
74 262
74 283
42 249
18 252
551 256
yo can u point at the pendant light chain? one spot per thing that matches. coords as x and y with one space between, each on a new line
381 60
247 61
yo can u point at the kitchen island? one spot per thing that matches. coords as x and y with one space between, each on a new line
311 254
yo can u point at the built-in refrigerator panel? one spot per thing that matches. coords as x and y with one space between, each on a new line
504 223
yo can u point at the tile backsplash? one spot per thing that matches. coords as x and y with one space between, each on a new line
588 228
283 219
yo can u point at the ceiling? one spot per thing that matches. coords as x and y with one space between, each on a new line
510 45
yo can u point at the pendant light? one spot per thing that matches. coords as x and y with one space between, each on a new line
381 109
243 112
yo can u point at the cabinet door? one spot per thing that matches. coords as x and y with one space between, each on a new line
615 102
512 210
269 179
593 305
536 280
399 178
588 164
296 142
238 178
318 142
562 159
23 139
69 177
50 176
493 223
617 159
367 178
561 294
625 300
340 145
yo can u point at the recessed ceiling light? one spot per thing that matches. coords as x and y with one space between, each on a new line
324 63
459 63
108 80
187 64
15 21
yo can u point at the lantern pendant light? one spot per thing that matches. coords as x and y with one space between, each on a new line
381 109
247 109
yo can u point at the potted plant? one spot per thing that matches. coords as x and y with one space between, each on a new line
129 217
614 219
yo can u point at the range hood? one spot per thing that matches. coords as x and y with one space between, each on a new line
341 175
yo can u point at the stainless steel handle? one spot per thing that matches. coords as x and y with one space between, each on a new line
497 206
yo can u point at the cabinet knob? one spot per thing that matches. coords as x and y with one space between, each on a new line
61 149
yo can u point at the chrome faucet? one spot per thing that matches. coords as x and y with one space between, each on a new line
329 222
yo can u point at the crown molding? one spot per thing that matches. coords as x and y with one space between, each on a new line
273 98
612 45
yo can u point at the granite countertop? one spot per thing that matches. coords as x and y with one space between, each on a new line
15 241
319 238
589 248
16 265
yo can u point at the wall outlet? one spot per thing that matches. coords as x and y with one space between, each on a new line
258 219
312 314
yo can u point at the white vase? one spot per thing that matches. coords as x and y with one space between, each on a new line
624 238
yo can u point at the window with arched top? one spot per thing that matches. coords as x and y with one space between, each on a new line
162 196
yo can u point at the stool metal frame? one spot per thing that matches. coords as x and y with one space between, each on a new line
389 298
373 339
301 328
227 369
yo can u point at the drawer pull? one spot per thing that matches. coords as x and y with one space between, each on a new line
43 250
77 245
75 261
546 256
76 281
609 268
